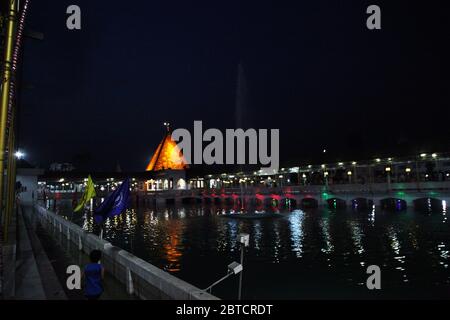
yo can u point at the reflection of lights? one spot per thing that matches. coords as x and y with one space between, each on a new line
324 224
296 224
257 235
444 254
395 244
444 211
434 155
372 215
357 236
423 155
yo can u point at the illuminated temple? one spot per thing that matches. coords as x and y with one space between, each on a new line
167 156
168 165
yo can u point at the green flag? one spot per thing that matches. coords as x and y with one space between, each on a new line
88 194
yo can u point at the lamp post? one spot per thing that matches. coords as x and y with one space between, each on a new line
243 239
388 171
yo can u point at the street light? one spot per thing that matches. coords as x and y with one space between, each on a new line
388 171
19 154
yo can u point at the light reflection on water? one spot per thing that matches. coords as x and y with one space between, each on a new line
315 253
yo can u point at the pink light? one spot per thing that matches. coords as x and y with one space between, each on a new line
259 196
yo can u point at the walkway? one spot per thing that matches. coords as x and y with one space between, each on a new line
40 272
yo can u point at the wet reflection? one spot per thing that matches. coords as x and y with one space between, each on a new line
294 253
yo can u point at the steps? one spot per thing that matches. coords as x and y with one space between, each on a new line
35 278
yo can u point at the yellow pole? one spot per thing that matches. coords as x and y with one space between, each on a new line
11 177
9 44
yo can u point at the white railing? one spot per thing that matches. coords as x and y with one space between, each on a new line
140 277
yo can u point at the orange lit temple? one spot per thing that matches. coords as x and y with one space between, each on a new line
167 156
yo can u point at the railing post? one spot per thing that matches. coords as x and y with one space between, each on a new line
130 286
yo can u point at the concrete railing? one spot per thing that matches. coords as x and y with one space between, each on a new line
139 277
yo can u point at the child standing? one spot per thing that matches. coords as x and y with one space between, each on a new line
93 276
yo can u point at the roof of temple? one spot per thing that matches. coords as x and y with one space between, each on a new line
167 156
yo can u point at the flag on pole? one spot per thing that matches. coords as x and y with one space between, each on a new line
88 194
115 204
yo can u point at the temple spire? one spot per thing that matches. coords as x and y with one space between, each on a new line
168 155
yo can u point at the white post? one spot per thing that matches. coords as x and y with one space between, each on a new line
80 243
130 286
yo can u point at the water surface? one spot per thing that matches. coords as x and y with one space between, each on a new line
317 253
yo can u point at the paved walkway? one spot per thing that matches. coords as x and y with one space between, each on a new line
41 264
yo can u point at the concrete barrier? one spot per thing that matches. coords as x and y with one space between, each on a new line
138 276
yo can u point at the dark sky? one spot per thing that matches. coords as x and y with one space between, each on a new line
313 70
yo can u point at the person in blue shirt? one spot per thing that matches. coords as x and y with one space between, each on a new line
93 276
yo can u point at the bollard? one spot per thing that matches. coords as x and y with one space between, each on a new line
80 243
68 233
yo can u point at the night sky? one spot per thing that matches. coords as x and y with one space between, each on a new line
99 96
